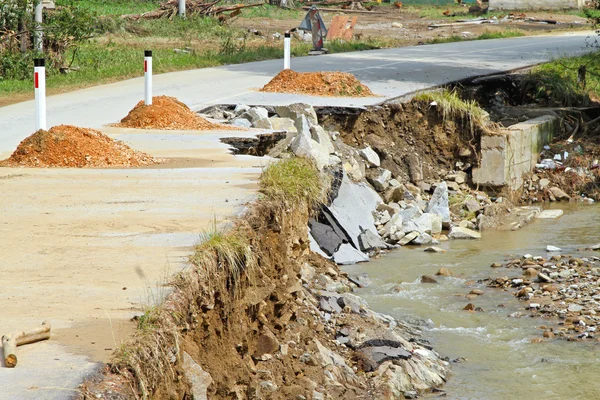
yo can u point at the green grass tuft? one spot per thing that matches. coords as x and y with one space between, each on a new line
292 181
451 106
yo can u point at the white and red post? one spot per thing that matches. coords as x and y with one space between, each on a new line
39 85
148 77
287 47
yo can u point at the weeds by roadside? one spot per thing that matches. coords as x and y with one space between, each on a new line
484 36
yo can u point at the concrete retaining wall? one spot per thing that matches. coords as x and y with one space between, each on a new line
535 4
506 157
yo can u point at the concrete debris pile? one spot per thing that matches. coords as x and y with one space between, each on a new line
564 173
559 287
371 208
339 84
70 146
167 113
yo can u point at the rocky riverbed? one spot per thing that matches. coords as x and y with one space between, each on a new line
561 288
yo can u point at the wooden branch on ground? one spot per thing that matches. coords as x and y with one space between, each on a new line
169 9
346 11
12 340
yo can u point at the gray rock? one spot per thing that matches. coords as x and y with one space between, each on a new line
303 126
256 113
543 183
458 232
293 111
267 386
352 208
319 135
263 123
393 183
369 155
459 177
422 239
381 217
453 186
422 224
369 241
347 255
551 248
434 249
329 304
306 147
283 124
354 169
379 178
199 379
550 214
373 356
240 109
410 212
307 272
439 203
559 194
355 303
428 279
408 238
575 307
472 205
392 226
241 122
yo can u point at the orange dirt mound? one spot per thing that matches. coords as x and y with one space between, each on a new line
167 113
317 83
70 146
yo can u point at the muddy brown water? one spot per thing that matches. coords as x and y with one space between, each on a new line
501 360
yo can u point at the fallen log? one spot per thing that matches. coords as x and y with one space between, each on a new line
12 340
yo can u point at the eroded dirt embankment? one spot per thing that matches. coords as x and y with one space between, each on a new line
284 326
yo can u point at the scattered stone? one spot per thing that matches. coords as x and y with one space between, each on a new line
477 292
267 344
199 379
496 265
267 386
423 238
443 271
241 122
559 194
408 238
550 248
439 203
458 232
550 214
469 307
434 249
369 241
428 279
370 156
379 178
472 205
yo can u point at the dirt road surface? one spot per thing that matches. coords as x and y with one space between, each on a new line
88 249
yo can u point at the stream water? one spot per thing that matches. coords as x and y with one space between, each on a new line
501 360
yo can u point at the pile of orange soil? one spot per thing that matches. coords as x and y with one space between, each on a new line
318 84
71 146
167 113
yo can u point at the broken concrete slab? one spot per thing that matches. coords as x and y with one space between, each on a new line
353 207
326 237
263 123
241 122
255 114
320 136
293 111
347 255
303 146
283 124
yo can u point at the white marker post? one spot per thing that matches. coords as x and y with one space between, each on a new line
287 46
148 77
181 10
39 85
37 35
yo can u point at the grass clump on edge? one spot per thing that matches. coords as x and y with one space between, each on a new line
292 181
224 256
451 106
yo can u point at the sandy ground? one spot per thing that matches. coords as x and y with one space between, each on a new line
88 249
414 29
